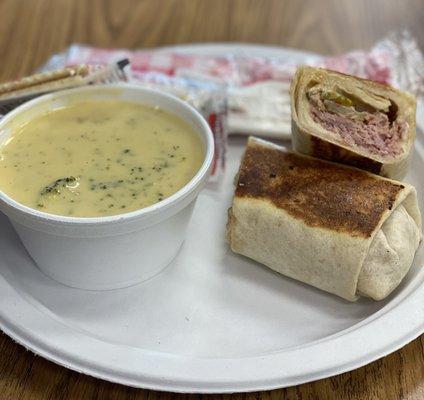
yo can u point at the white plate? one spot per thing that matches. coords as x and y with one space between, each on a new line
212 321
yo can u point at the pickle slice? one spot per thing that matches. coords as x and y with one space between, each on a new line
336 98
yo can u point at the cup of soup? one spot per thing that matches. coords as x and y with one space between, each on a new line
100 182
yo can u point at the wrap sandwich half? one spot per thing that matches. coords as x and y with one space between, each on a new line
340 229
354 121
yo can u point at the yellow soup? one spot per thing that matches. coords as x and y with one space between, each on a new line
99 158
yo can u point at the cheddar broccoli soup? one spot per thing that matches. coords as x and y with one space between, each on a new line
99 158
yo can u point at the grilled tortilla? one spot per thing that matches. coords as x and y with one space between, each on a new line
352 121
337 228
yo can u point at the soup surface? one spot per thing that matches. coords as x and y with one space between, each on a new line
99 158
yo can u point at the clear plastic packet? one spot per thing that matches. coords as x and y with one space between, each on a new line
21 90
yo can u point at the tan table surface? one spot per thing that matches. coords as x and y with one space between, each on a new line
31 30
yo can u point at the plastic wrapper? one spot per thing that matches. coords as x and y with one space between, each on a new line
257 87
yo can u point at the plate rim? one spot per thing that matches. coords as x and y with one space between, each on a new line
34 343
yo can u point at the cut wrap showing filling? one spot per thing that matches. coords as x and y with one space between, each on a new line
377 131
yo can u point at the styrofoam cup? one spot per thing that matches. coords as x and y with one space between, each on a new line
114 251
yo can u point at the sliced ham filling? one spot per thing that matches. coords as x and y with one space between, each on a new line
371 130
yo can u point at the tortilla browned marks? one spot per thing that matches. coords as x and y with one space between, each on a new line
320 193
329 151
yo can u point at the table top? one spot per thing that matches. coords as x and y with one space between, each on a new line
32 30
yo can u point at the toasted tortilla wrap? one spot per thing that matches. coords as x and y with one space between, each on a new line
353 121
340 229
